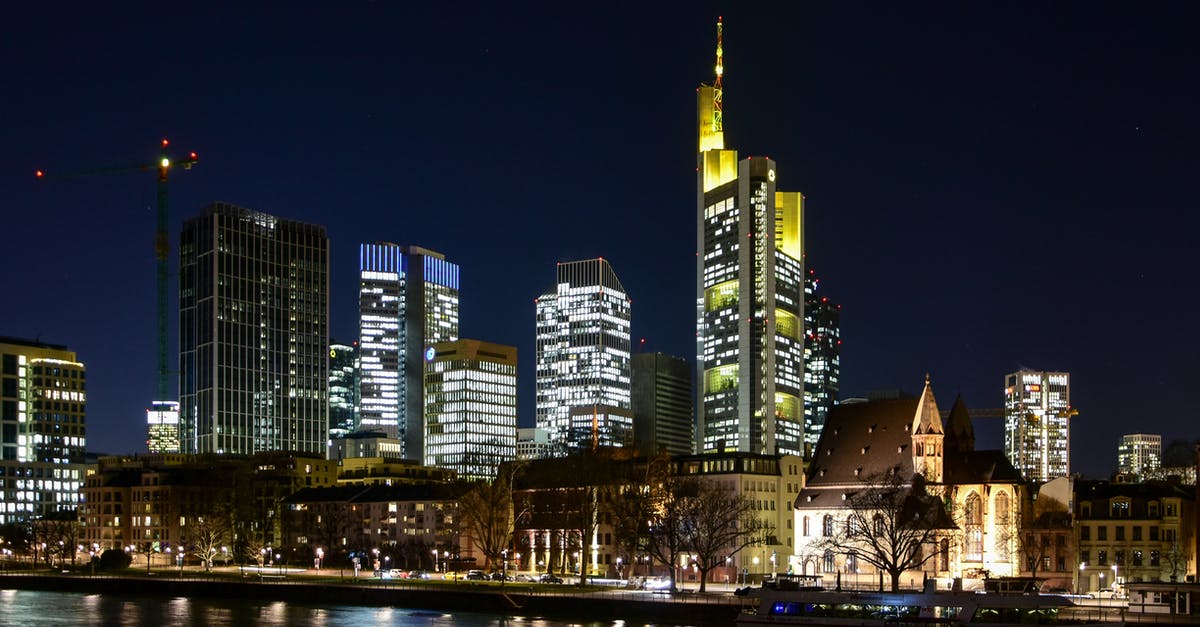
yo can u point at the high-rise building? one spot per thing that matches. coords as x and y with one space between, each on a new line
43 438
533 443
822 363
162 427
408 300
470 407
1139 454
749 295
253 333
343 389
583 351
1037 423
662 396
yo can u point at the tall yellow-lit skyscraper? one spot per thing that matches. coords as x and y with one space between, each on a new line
749 294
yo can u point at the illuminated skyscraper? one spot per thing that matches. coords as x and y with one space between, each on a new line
470 407
162 427
1139 454
1037 423
253 333
822 361
583 350
749 295
408 300
343 389
43 440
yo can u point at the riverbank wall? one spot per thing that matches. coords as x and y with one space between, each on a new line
532 602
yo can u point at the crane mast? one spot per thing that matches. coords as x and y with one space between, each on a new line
162 247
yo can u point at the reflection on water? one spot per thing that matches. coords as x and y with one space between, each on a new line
30 608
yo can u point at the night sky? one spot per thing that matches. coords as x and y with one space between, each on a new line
988 186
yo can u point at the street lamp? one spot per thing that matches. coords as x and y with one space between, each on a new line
1115 582
618 568
320 556
504 566
1079 581
436 567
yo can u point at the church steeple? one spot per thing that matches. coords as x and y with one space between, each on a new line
960 433
928 437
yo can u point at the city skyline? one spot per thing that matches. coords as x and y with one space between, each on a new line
937 170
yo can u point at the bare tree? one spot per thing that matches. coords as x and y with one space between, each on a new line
208 535
671 515
893 526
722 523
487 513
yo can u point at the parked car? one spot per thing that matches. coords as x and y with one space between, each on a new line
657 584
476 575
524 577
549 578
418 574
500 576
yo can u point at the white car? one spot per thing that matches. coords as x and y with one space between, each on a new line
657 583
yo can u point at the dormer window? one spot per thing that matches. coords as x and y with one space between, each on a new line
865 449
1119 508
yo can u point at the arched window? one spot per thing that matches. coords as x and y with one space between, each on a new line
828 565
944 555
806 526
973 529
1003 510
827 526
878 526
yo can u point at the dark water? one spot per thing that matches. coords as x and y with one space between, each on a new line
28 608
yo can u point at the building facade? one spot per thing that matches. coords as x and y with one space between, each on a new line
822 361
903 445
253 333
43 436
749 295
1139 454
162 427
583 356
1037 423
470 407
408 300
343 389
1131 532
662 396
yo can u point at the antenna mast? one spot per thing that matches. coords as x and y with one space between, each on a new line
717 125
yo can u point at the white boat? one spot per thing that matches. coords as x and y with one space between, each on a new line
868 609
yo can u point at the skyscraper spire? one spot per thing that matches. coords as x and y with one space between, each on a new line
717 125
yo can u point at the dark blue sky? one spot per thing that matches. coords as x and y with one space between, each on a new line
987 186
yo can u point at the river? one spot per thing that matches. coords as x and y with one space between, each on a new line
30 608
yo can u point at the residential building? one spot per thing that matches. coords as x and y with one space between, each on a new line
389 471
583 356
343 389
408 300
1046 541
749 295
1139 454
771 483
972 498
43 401
662 396
1134 532
253 333
822 359
154 504
1037 423
470 407
162 427
380 527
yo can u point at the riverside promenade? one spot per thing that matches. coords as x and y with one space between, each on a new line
533 600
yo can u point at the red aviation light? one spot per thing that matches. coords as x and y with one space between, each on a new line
39 174
165 143
192 155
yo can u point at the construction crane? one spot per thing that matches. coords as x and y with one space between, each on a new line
163 165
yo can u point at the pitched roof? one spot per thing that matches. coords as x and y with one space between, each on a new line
979 467
927 419
859 440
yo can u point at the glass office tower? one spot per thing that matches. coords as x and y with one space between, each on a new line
253 333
